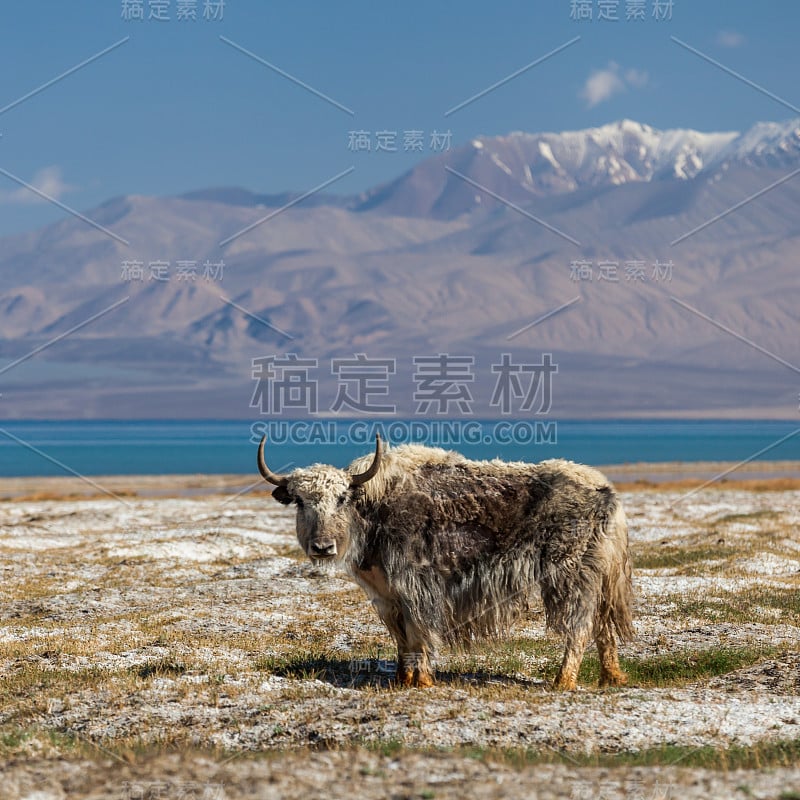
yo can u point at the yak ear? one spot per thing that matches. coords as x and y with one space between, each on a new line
281 494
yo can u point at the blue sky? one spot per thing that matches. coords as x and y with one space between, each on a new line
175 108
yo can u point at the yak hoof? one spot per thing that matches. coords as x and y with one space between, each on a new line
616 678
414 678
404 677
565 684
423 680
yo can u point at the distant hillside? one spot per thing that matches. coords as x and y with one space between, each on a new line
430 263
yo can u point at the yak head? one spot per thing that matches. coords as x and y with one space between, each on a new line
323 495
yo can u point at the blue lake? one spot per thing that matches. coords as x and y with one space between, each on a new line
170 447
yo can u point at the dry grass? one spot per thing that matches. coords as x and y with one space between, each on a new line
249 649
755 604
778 484
40 496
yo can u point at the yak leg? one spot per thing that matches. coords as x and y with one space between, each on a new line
567 677
614 612
416 660
392 617
574 613
413 650
610 673
417 670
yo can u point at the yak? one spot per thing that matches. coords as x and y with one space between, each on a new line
449 549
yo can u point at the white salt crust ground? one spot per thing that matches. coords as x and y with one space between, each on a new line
218 570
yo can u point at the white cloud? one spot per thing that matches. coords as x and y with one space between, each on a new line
47 180
636 78
730 39
603 84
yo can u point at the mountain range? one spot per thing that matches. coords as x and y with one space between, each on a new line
670 259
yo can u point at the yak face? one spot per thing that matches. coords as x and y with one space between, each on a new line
323 497
326 517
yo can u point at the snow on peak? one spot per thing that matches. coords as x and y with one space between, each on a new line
764 139
626 151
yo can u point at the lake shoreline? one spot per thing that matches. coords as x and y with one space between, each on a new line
640 476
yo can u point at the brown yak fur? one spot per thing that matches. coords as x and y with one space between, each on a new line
449 550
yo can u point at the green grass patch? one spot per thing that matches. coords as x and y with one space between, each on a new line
320 664
752 516
531 658
670 557
390 748
160 668
764 755
744 606
663 670
31 682
677 669
296 665
491 660
15 739
310 666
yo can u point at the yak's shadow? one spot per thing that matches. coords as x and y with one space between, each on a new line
380 673
485 678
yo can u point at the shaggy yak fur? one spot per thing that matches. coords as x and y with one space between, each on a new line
449 549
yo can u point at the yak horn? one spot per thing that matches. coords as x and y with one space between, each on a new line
363 477
269 476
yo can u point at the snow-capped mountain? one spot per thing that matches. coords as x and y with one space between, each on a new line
765 144
523 166
419 276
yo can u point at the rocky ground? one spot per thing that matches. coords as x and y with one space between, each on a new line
155 646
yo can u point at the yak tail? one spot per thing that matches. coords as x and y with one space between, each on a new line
617 593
